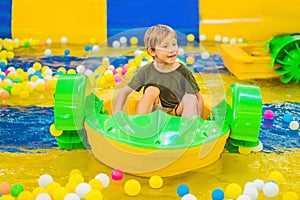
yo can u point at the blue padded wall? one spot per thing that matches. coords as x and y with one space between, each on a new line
5 18
181 15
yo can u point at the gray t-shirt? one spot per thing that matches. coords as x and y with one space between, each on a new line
172 85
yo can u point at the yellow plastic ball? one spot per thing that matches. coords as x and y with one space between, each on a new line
7 197
37 66
51 187
10 55
62 69
24 94
29 88
52 83
15 90
156 182
94 194
38 190
59 193
20 71
25 195
290 196
119 70
44 68
190 60
76 178
233 190
134 40
244 150
276 176
190 37
132 187
71 71
71 186
34 78
54 131
96 184
40 87
75 171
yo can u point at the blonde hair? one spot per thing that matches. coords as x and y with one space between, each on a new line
155 35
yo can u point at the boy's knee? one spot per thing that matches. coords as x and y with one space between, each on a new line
189 99
152 91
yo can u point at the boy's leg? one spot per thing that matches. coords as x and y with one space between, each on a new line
149 99
188 106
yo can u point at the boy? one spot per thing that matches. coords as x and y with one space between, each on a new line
168 85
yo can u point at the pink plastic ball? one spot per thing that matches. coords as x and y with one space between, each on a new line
7 72
124 70
117 78
117 174
268 114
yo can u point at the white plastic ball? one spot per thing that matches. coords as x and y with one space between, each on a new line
40 81
31 70
48 52
225 39
72 196
88 72
116 44
123 40
16 40
181 51
202 37
105 59
249 185
251 192
11 69
205 55
82 189
48 77
44 180
138 52
48 71
95 48
64 40
43 196
244 197
259 184
80 69
111 67
108 71
189 197
218 38
48 41
294 125
8 81
104 179
270 189
259 147
232 41
240 40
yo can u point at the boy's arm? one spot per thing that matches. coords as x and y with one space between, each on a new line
200 104
121 98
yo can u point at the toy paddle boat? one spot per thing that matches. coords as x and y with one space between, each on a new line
279 58
155 143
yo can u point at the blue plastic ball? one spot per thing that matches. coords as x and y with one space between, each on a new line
87 48
182 190
67 52
2 66
217 194
287 118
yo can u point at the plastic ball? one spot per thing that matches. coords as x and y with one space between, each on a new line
75 171
117 174
93 195
232 41
182 190
117 78
7 197
72 196
225 39
16 189
25 195
76 178
270 189
88 72
294 125
71 186
71 71
44 180
37 66
259 184
132 187
249 185
96 184
27 44
87 48
38 190
259 147
24 94
205 55
202 37
80 69
190 37
217 194
123 40
251 192
67 52
134 40
48 41
52 186
240 40
244 197
290 196
10 55
64 40
4 188
95 48
156 182
233 190
4 95
60 193
287 118
189 197
104 179
268 114
43 196
48 53
244 150
276 176
116 44
190 60
82 189
218 38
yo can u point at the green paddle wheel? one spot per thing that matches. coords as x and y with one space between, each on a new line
285 56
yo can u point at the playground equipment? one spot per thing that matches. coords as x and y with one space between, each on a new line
280 57
155 143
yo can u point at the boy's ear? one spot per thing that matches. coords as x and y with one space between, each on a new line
151 51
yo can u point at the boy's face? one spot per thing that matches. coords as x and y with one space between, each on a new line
165 52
